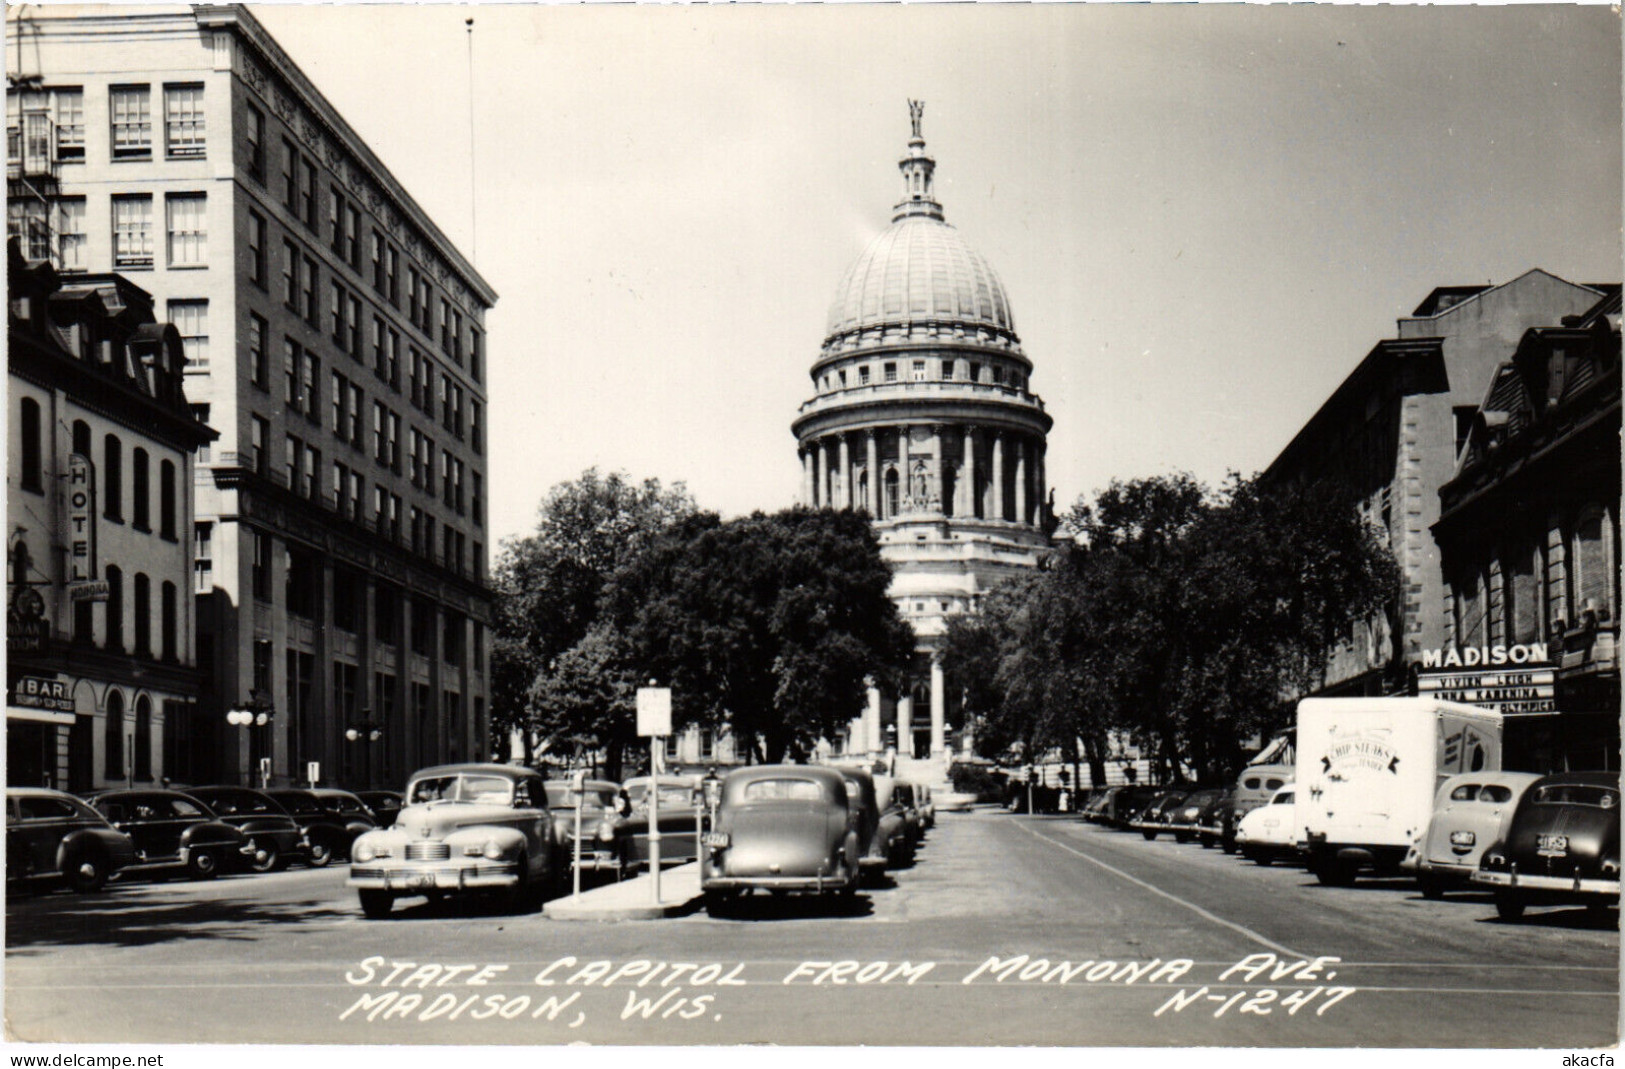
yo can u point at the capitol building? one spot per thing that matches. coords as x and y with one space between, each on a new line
923 415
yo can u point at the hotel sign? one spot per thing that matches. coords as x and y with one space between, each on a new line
1526 686
81 519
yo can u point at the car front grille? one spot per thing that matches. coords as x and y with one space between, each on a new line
427 851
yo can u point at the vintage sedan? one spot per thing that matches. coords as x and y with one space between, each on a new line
350 809
1183 819
466 829
780 828
1094 811
172 830
897 823
52 838
327 835
275 836
1562 846
1270 832
1216 823
385 805
1470 812
864 806
601 824
1158 812
679 805
1127 804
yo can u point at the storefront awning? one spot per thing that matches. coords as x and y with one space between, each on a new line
44 716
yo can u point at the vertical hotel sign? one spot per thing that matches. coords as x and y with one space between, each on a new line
81 519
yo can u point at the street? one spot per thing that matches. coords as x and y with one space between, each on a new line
1009 930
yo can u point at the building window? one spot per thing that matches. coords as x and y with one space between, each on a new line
202 557
890 370
168 631
948 369
290 372
290 275
191 319
258 371
113 479
132 231
335 310
27 220
183 122
708 744
476 355
70 234
166 500
307 192
261 574
1591 570
375 252
476 432
919 371
69 108
187 219
115 608
336 211
143 615
290 179
451 645
256 249
392 274
254 132
29 426
140 490
353 342
259 439
477 500
113 736
132 122
479 646
200 413
313 314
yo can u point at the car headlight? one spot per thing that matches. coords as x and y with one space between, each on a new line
363 852
606 832
493 850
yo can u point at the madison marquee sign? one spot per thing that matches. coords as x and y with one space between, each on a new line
1517 680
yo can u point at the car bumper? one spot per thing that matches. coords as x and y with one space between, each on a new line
1564 884
815 884
597 863
436 876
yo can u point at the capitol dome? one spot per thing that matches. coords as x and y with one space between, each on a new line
919 268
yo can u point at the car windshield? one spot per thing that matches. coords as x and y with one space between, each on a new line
785 790
350 807
1577 794
462 787
670 795
560 796
300 804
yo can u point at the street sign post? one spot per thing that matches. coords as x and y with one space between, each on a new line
654 720
313 772
580 787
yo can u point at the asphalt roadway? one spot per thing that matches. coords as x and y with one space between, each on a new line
1010 930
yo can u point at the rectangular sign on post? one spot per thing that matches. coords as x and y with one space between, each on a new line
313 772
654 711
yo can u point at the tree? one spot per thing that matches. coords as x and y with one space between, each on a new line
770 624
548 586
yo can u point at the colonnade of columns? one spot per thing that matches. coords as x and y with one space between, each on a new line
868 733
996 474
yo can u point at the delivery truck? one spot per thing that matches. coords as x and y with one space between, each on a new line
1367 771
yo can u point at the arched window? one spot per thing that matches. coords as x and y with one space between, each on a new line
115 609
143 738
113 479
167 622
892 504
28 424
81 438
1591 568
113 736
140 491
143 614
166 500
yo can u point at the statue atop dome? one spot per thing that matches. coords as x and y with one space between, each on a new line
916 109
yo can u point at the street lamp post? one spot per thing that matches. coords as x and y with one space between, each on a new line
255 713
367 732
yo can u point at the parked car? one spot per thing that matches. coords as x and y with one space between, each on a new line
1155 816
350 808
928 808
1126 804
602 824
896 824
1094 811
172 830
1270 832
1183 818
53 837
679 804
1255 787
385 805
780 828
466 829
864 807
914 805
327 834
1470 812
1563 846
1215 824
276 837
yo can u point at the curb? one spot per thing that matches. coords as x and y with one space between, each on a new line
561 909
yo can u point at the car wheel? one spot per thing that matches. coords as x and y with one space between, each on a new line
1228 842
203 864
1182 836
1430 884
1206 841
267 859
321 854
1508 907
1149 834
1333 873
376 904
716 903
86 872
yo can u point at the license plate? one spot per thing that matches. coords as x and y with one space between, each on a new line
423 880
1552 845
1462 838
715 839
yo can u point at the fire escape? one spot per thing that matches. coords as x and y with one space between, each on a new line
32 159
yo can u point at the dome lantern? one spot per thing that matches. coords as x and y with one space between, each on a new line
919 196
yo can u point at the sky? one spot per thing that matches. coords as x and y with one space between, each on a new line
1204 216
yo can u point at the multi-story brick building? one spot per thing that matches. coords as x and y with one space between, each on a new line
334 336
101 687
1389 436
